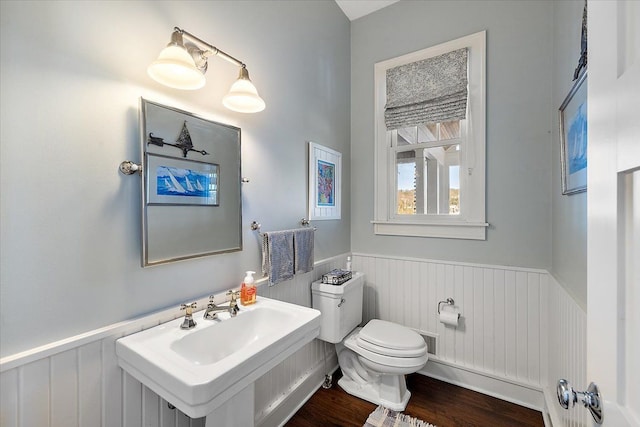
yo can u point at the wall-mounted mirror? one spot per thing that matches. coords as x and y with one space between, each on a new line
190 187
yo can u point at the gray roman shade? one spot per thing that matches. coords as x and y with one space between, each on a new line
433 90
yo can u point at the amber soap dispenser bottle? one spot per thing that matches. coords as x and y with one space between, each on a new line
248 289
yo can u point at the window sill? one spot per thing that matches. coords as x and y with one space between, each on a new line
447 230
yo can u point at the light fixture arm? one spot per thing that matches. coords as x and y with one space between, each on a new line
210 49
183 63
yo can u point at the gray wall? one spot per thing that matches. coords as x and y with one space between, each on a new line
71 78
569 224
519 65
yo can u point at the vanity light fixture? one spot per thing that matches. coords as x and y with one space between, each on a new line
182 65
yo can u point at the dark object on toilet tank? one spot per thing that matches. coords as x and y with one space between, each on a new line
336 277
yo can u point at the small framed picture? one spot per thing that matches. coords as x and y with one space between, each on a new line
176 181
325 180
573 138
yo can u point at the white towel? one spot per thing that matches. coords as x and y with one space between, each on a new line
277 256
303 250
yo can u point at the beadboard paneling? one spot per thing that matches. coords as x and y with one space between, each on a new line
500 329
567 354
77 382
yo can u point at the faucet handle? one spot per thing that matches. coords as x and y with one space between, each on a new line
188 307
233 294
212 300
188 322
233 304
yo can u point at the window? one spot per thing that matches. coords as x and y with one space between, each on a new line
427 167
430 157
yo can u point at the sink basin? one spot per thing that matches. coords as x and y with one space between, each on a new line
231 335
198 370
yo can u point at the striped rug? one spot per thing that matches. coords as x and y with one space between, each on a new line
383 417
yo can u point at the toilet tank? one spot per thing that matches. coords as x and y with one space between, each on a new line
340 305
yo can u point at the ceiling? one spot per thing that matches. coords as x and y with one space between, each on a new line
355 9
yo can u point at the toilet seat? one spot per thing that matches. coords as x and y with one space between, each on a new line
390 339
387 357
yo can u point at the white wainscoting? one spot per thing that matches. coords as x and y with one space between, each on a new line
77 381
567 354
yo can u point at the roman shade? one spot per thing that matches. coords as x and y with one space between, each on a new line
433 90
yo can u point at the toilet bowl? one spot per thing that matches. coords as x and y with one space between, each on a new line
375 358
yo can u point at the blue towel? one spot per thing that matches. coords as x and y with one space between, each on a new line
303 250
277 256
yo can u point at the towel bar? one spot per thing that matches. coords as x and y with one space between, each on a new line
255 226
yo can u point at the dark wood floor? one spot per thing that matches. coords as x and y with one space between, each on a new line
434 401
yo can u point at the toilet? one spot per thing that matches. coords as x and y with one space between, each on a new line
374 359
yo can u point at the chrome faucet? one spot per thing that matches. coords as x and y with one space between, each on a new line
188 322
212 310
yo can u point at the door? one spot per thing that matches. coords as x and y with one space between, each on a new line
613 208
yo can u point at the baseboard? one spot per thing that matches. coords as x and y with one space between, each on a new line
504 389
281 411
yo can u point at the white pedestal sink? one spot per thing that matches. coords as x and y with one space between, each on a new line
210 370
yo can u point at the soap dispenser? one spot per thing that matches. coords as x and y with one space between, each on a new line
248 289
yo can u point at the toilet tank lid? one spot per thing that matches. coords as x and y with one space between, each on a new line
391 335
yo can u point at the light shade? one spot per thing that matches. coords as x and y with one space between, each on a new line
176 68
243 96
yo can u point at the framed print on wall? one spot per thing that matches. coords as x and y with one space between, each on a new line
573 138
176 181
325 180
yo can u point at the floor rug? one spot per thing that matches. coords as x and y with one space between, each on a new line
383 417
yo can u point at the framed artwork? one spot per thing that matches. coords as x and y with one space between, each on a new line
573 138
176 181
325 180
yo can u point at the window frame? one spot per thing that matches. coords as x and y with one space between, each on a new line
470 222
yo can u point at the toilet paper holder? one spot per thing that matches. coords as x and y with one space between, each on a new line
448 301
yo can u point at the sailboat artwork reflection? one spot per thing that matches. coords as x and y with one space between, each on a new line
182 182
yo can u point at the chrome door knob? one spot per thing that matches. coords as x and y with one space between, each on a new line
566 395
591 399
